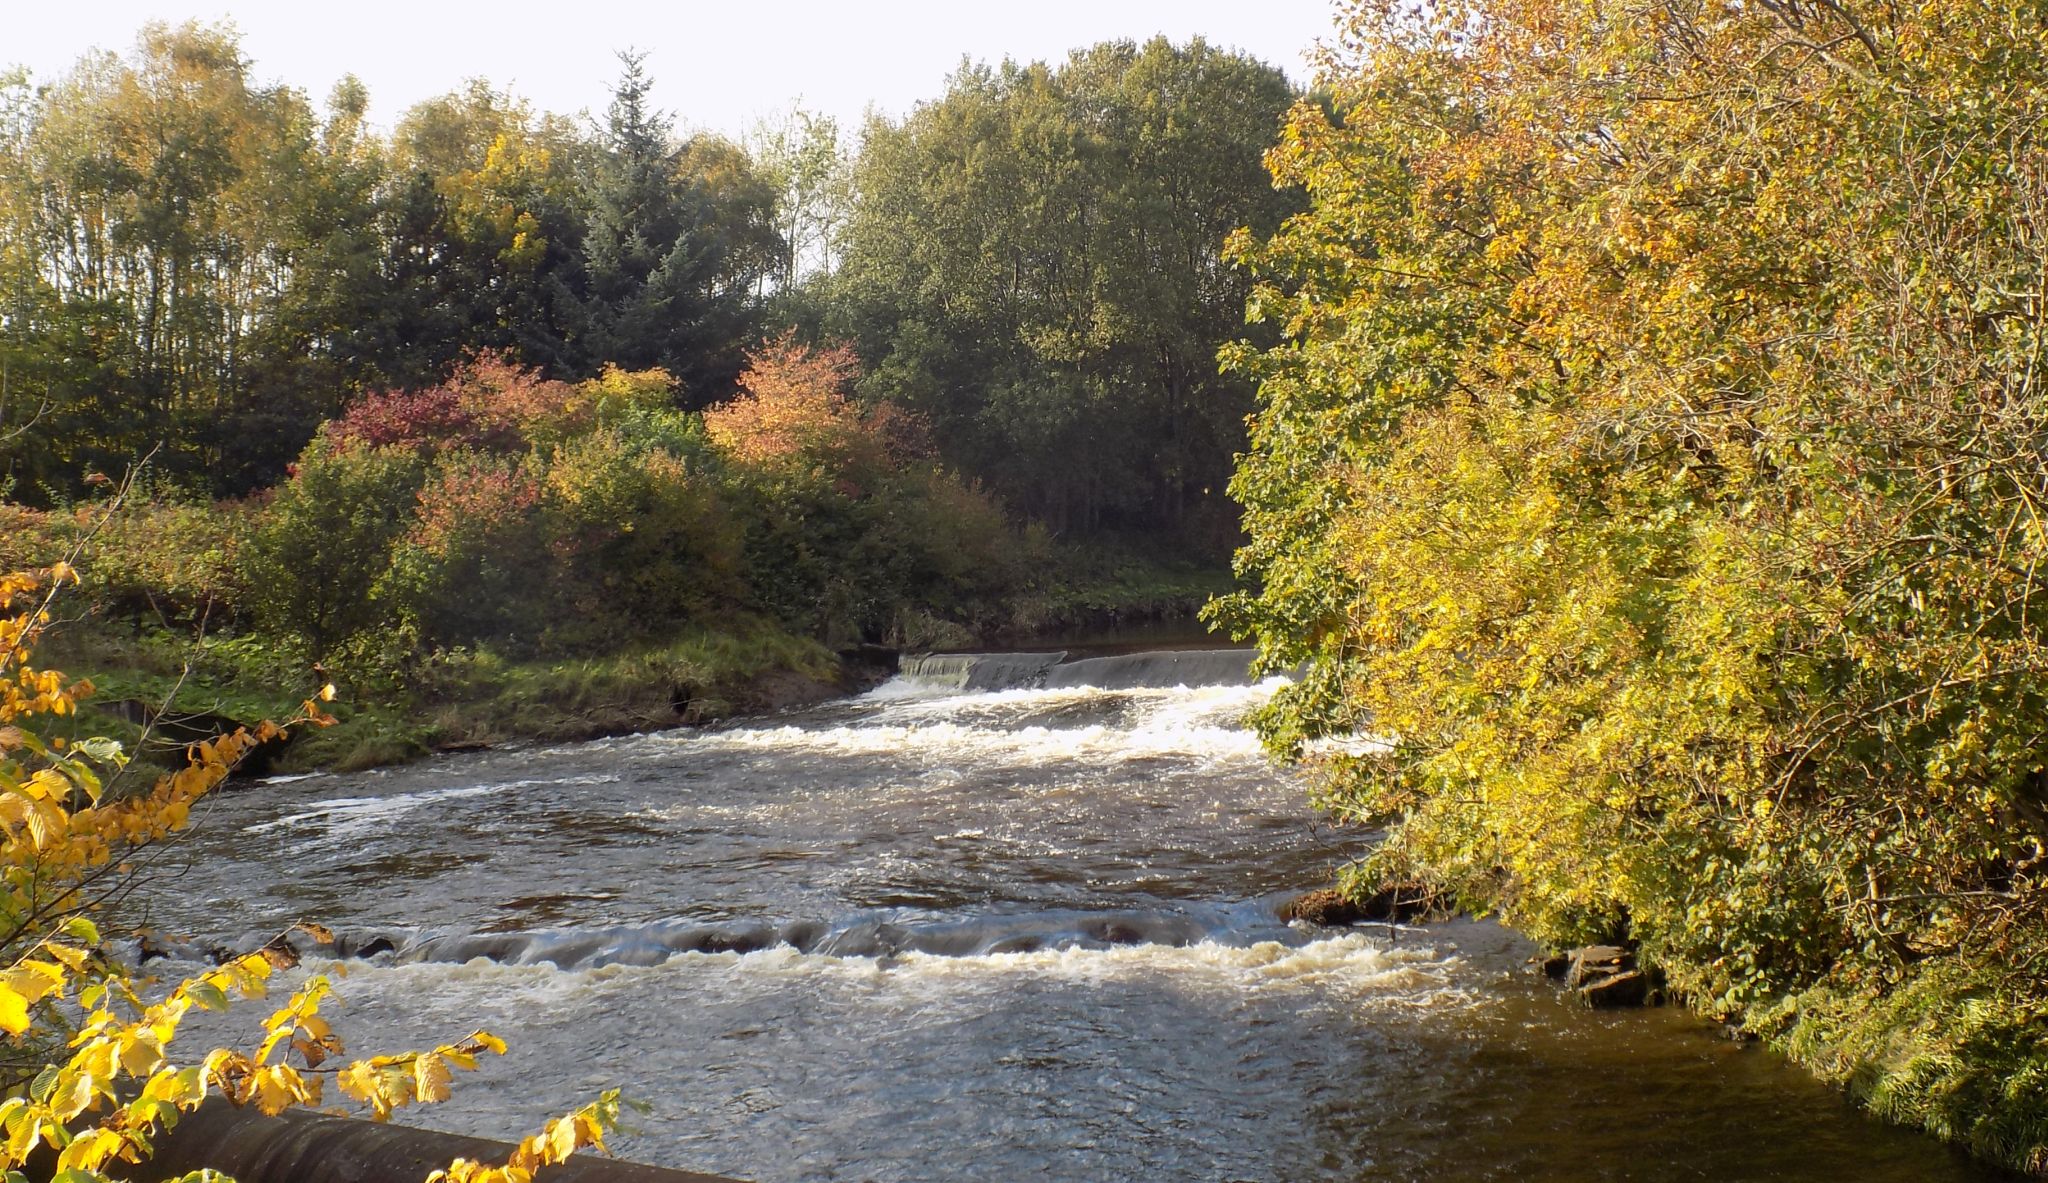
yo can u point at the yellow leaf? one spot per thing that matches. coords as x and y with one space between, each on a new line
91 1150
69 1102
562 1141
13 1010
24 1134
430 1078
275 1089
182 1088
141 1053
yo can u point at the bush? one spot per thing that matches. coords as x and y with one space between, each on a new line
168 560
177 562
323 546
642 536
475 561
794 415
489 404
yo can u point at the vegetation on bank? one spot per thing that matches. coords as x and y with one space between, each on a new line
515 424
204 266
1654 461
503 556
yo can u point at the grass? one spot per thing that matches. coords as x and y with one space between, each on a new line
1958 1048
699 676
465 696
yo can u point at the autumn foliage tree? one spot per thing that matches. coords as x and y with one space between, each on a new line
795 408
1653 464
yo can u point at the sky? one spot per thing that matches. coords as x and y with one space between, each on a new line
719 65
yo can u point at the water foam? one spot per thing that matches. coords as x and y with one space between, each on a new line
346 816
1352 964
905 719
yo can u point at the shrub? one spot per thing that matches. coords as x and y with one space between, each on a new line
643 538
474 562
323 545
794 415
490 403
174 561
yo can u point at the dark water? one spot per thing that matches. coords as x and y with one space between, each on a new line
933 935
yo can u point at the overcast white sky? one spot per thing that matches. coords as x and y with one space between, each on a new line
718 65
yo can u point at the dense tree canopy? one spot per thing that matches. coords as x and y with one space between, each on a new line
200 264
1034 262
207 266
1652 471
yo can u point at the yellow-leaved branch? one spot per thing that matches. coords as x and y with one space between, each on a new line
87 1069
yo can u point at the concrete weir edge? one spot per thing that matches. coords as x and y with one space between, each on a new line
298 1146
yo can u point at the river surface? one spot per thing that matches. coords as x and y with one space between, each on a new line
935 934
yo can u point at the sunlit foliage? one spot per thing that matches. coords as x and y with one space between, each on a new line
88 1066
1653 462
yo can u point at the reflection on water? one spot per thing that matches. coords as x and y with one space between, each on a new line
931 936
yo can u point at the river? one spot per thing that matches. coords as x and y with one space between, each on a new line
945 932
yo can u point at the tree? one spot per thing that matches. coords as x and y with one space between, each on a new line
801 157
1652 465
1034 262
163 233
667 271
325 544
483 232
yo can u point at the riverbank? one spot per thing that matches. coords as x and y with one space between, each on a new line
157 688
155 691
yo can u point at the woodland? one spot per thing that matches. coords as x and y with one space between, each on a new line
524 424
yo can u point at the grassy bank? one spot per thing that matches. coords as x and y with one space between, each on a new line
438 700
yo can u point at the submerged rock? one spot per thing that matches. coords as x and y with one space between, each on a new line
1630 988
1605 977
1331 908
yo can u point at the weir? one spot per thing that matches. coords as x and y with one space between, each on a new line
871 934
978 671
1052 671
1136 671
298 1146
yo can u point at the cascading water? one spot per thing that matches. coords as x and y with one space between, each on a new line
994 920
